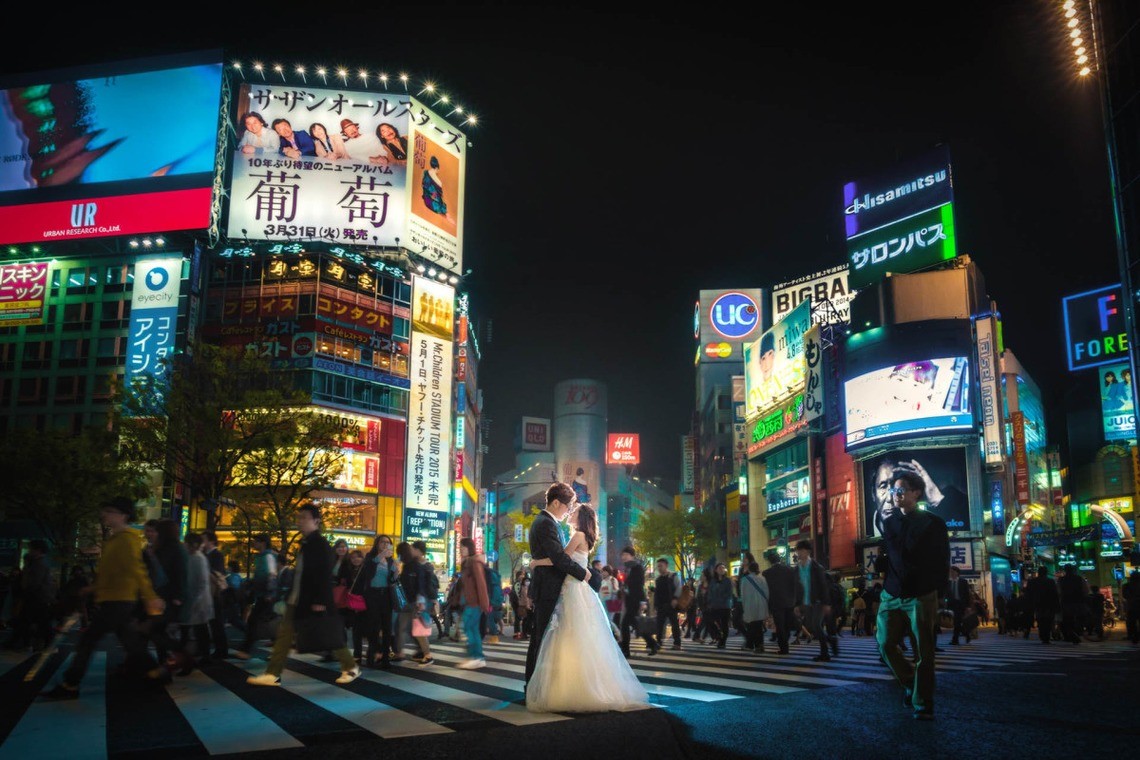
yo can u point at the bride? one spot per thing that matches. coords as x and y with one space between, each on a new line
580 667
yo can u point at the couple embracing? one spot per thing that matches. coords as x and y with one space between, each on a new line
573 663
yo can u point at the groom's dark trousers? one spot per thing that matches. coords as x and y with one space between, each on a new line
546 543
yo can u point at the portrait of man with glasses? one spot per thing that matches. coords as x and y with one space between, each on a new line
948 500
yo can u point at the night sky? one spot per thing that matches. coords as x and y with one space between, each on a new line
624 162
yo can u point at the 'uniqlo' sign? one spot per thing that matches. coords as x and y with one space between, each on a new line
623 448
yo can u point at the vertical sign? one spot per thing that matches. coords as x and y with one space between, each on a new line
991 400
22 289
813 381
427 476
688 463
997 506
154 316
739 426
1020 458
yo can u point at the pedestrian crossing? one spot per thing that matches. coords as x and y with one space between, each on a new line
215 712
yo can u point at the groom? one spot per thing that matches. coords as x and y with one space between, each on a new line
546 585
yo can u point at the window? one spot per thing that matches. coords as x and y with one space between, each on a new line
115 279
103 387
70 389
73 353
401 328
115 314
37 355
33 390
74 316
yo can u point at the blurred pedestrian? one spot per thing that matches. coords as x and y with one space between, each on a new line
38 594
666 592
197 607
1074 591
262 593
217 566
720 598
476 602
782 583
754 597
815 599
121 582
1045 600
309 604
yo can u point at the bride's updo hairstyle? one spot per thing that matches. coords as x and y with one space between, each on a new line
587 522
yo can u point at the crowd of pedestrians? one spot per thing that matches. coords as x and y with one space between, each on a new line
177 604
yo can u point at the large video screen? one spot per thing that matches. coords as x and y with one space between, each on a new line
906 399
128 151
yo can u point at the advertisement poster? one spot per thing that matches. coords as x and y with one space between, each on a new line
993 427
909 398
22 291
340 165
942 470
774 365
914 243
903 190
623 448
1116 402
154 316
583 478
427 476
829 293
125 154
535 434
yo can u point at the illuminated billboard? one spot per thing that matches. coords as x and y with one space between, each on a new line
427 482
155 290
829 293
908 188
913 243
1095 331
129 151
23 288
345 166
947 485
1116 403
535 434
623 448
774 365
912 398
724 320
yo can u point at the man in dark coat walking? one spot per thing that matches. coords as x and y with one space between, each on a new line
310 596
782 595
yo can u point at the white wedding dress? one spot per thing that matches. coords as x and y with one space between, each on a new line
580 667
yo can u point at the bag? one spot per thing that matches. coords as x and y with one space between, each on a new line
646 626
686 597
220 582
320 633
946 618
401 599
419 627
340 596
355 602
613 605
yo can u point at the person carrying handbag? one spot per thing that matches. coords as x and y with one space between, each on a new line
309 611
375 588
754 597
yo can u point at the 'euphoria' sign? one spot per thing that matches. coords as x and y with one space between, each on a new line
1095 332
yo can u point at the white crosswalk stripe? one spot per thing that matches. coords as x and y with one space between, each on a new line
228 716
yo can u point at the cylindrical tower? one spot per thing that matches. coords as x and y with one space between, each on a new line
580 426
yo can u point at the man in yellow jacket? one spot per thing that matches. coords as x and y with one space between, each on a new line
121 580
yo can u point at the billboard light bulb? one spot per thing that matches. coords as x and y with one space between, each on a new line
1083 59
1085 71
1072 22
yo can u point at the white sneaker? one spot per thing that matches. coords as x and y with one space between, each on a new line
265 679
348 676
473 664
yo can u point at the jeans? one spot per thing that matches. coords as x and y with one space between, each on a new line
471 616
495 624
896 617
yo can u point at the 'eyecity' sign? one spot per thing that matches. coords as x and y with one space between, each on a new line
1095 332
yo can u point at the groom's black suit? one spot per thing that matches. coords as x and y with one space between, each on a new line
546 585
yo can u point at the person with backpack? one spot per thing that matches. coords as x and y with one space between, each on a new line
666 593
754 599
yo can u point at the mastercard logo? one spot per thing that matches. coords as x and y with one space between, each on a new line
718 350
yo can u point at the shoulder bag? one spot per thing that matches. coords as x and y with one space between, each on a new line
354 602
400 597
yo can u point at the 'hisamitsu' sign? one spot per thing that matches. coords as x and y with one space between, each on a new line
1095 331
